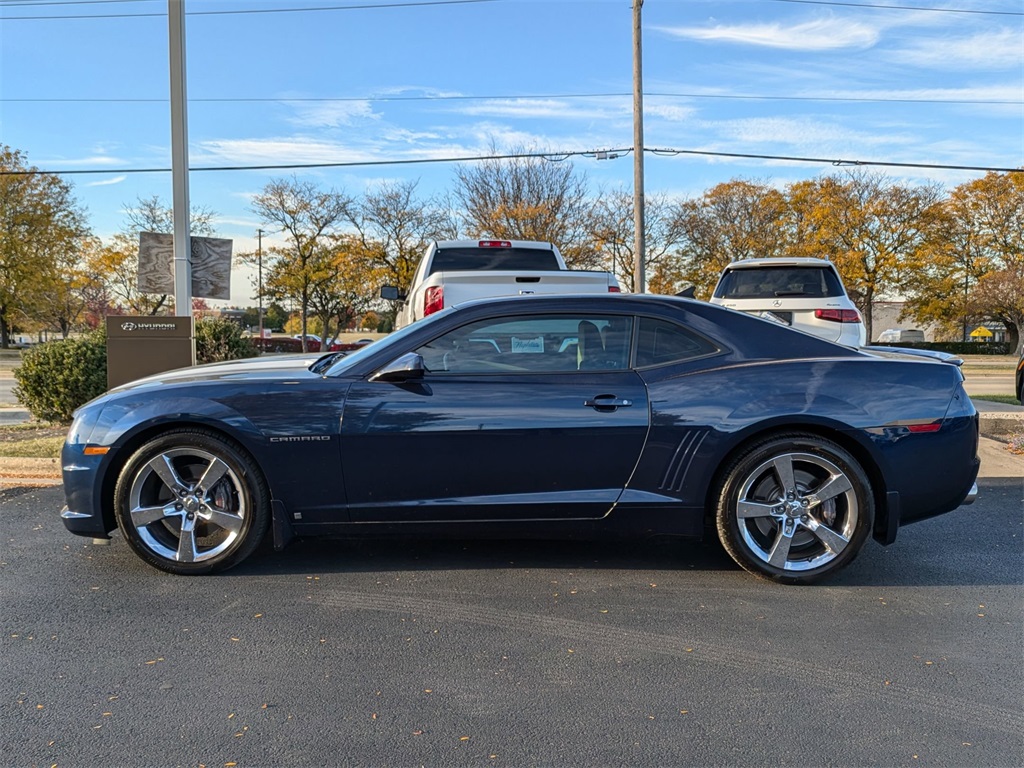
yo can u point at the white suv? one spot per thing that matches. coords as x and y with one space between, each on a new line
806 294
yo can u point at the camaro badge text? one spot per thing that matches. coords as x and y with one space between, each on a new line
301 439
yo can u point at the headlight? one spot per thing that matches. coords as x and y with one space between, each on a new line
82 425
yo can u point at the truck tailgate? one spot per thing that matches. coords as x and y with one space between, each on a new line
464 286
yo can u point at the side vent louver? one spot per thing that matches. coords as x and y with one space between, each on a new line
675 473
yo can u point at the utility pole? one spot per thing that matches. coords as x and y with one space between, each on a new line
639 239
259 267
179 160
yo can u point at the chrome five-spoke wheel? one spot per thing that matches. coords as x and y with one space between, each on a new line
191 502
794 508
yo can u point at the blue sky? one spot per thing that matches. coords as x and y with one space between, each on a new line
273 82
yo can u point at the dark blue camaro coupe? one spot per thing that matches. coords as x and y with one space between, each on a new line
540 417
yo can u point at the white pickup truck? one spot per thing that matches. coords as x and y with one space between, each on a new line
454 271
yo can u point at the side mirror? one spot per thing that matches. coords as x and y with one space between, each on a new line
408 367
391 293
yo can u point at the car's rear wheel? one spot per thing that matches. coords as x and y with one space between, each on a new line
192 502
794 508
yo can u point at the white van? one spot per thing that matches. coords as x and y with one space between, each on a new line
900 336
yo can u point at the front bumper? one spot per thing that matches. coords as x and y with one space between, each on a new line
82 474
83 524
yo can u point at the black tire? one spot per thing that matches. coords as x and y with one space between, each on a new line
192 502
794 508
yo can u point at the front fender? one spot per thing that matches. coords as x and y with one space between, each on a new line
89 478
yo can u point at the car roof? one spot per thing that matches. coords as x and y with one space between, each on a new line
540 245
802 261
627 302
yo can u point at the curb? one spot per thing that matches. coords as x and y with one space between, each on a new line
29 472
999 424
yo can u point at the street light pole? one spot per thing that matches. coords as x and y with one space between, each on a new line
179 160
639 240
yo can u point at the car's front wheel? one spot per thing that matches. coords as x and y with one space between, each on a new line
192 502
794 508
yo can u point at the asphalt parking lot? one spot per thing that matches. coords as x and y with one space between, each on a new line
514 653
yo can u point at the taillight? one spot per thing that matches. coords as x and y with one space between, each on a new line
433 300
919 428
614 289
838 315
495 244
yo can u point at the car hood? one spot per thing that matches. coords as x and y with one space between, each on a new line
270 366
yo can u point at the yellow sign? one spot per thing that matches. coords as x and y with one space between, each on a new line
981 332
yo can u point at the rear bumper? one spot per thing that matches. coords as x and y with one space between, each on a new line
971 496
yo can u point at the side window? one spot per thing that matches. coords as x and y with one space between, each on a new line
533 344
661 341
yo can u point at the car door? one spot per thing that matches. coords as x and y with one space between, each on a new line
515 418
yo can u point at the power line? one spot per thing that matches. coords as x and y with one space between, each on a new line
603 154
831 161
660 94
361 7
17 3
39 3
883 6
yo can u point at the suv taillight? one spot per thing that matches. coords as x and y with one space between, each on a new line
614 289
433 300
838 315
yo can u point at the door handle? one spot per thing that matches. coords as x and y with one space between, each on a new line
607 402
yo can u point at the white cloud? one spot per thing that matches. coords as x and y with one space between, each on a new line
331 114
537 109
1002 50
408 136
820 35
1010 92
92 160
804 133
106 182
668 112
274 151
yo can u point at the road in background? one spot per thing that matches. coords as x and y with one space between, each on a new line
514 654
989 383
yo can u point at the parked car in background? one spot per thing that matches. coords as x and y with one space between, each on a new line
806 294
313 342
454 271
538 416
340 345
900 336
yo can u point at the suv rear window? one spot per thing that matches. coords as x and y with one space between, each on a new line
781 281
493 258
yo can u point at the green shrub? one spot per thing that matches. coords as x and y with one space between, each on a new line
959 347
56 377
219 339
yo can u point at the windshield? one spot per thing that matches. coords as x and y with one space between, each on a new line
352 358
774 282
458 259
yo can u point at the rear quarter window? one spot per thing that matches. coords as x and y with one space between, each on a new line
660 342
